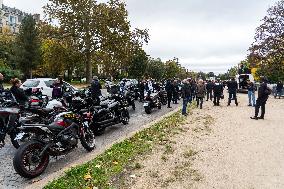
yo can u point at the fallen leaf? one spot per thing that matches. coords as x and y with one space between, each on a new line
115 162
87 176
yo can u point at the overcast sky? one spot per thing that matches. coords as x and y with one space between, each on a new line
206 35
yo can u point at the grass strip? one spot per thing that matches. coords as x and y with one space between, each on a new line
99 171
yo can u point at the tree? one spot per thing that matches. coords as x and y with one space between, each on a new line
97 29
267 52
27 47
155 69
138 65
171 69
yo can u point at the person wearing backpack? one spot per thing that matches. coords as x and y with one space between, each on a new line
263 93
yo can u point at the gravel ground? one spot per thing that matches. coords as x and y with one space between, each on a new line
219 148
10 180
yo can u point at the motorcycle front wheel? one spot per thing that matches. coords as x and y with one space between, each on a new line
125 117
148 110
88 140
27 161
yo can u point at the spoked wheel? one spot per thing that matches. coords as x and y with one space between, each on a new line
88 140
125 117
27 161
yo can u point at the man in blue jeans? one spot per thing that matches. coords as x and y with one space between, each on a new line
186 95
251 93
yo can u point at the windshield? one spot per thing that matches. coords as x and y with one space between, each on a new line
31 83
49 83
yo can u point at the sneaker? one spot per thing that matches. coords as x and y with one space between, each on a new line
249 105
237 104
261 118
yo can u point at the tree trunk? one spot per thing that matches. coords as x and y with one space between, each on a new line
88 68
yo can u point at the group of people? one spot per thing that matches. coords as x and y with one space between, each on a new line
189 89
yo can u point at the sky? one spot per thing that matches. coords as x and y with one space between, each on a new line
206 35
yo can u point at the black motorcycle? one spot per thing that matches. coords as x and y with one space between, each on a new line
56 139
152 100
109 113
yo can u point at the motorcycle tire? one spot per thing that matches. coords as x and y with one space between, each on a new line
148 110
125 117
88 140
133 106
159 107
21 158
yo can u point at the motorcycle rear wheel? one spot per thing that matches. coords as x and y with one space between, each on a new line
27 156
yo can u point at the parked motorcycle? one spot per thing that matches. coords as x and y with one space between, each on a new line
152 100
110 113
56 139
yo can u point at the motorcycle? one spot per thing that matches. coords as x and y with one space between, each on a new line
109 113
152 100
56 139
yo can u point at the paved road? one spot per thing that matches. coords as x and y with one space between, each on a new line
10 180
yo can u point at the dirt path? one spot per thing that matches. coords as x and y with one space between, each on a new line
219 147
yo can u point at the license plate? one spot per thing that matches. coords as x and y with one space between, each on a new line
146 104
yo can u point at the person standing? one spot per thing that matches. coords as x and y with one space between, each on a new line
263 93
96 89
170 89
175 92
279 89
232 89
251 93
186 95
200 93
209 89
56 89
218 92
141 87
193 89
1 82
18 93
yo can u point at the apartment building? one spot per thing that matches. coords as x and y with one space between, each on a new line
11 18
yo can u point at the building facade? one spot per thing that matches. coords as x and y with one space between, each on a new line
11 18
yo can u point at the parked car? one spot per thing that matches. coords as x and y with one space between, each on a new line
44 85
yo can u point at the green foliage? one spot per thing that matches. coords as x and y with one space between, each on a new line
267 52
27 47
155 69
98 172
138 64
171 69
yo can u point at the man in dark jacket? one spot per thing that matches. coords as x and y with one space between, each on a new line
1 82
209 90
170 89
175 92
279 89
232 89
218 92
186 95
263 93
96 89
141 87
